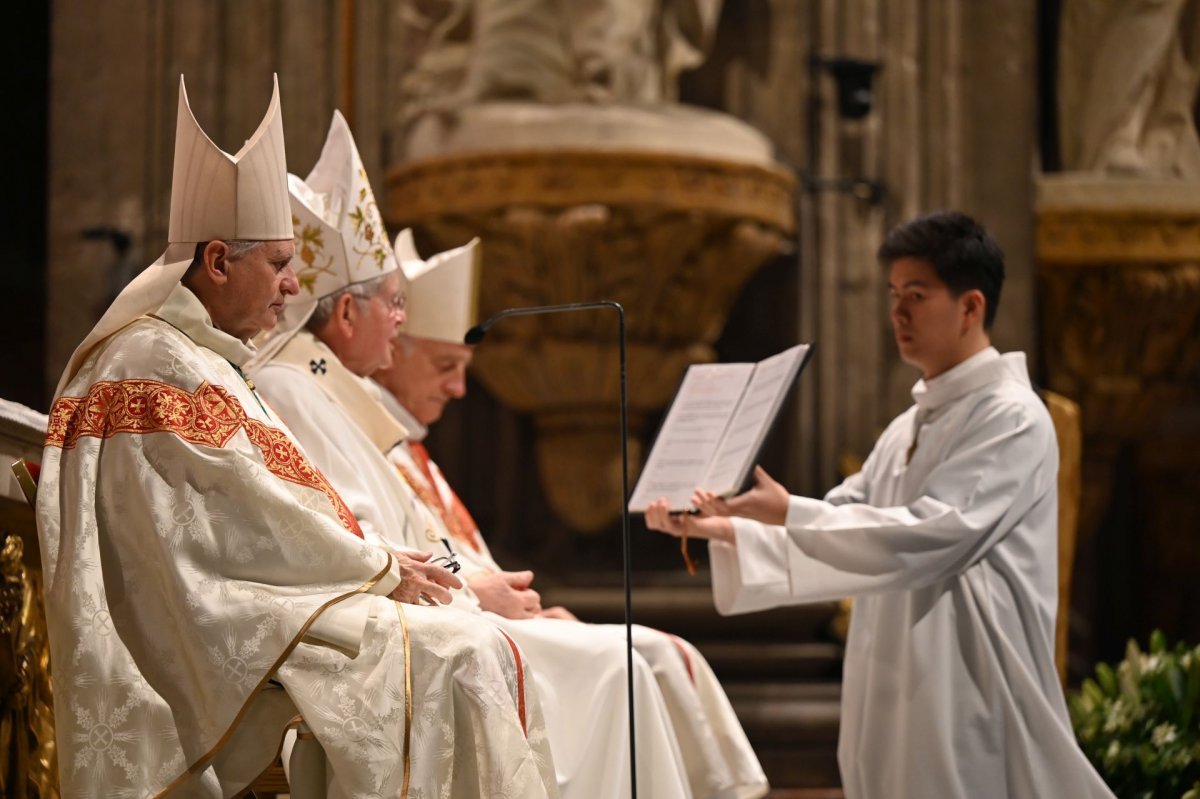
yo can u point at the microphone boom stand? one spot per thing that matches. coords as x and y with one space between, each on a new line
474 336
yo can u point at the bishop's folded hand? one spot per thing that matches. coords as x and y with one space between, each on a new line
422 580
507 594
766 501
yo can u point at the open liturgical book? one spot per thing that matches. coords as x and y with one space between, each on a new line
715 428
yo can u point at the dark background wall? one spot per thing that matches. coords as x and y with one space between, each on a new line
24 76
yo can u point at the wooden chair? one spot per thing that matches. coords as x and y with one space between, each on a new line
1068 427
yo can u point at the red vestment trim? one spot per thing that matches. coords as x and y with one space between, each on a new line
683 653
210 416
456 518
520 680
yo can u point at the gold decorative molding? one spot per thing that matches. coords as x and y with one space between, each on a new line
1119 275
484 182
28 754
1095 238
672 238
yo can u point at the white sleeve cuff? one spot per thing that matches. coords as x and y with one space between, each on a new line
752 573
803 510
761 552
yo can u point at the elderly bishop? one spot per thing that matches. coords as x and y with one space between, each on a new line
429 371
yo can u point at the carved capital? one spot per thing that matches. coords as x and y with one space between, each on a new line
1085 238
484 183
1120 297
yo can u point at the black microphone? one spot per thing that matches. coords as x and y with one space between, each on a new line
476 333
474 336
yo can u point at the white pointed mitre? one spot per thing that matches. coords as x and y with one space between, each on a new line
215 195
340 238
443 292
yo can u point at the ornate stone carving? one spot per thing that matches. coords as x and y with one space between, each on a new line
671 238
1119 278
485 182
1120 297
1124 339
545 51
1083 238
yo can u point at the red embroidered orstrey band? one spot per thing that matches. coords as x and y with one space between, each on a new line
210 415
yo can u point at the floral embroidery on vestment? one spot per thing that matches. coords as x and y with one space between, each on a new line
209 416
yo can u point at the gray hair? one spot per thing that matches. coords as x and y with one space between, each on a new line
360 291
237 249
241 247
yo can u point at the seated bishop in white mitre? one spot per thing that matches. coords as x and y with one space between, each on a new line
429 370
206 587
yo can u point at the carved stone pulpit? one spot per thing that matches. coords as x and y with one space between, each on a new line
570 212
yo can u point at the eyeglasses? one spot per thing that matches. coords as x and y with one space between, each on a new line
395 303
448 562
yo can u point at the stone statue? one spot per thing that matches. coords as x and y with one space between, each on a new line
555 51
1128 77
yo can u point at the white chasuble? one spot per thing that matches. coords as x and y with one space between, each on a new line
206 586
338 418
947 540
716 755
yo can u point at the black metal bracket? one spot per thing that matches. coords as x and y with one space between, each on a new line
869 191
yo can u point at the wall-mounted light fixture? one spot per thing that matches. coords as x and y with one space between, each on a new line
855 83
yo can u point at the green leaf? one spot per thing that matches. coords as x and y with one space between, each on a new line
1159 688
1174 676
1133 658
1191 699
1130 688
1147 758
1158 642
1107 679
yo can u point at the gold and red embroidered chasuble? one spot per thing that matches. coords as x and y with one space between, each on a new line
209 416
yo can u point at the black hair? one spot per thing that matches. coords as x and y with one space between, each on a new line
962 253
197 260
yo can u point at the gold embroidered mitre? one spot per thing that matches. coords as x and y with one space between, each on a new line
340 238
